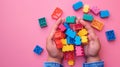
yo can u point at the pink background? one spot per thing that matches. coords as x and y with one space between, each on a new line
20 30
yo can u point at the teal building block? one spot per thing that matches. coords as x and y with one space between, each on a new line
88 17
70 19
42 22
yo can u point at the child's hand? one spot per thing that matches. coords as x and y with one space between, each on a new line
92 49
55 55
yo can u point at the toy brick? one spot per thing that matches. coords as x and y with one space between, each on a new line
38 50
62 27
76 27
69 55
79 51
57 13
95 10
88 17
70 19
77 41
86 8
64 41
71 62
67 48
59 35
42 22
77 5
97 25
66 25
104 14
84 40
70 33
58 43
110 35
70 40
83 32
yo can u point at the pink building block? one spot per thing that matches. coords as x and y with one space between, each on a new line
79 51
62 27
95 10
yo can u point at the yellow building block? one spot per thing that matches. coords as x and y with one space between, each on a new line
71 62
84 39
68 48
83 32
86 8
64 41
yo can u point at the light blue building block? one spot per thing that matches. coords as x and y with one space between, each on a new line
77 5
104 13
69 32
77 41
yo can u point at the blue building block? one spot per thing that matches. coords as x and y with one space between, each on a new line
66 25
70 19
104 13
70 40
77 41
42 22
88 17
110 35
77 5
70 33
38 50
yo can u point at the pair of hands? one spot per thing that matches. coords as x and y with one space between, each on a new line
91 50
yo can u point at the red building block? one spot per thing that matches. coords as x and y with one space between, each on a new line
69 55
62 27
76 26
57 13
59 35
58 43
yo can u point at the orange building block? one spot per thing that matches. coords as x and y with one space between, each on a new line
97 25
71 62
58 43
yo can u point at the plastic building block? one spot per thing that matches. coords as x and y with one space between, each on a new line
42 22
84 40
95 10
70 33
77 41
66 25
79 51
57 13
97 25
76 26
88 17
77 5
59 35
70 19
62 27
58 43
69 55
38 50
104 14
67 48
64 41
83 32
110 35
86 8
71 62
70 40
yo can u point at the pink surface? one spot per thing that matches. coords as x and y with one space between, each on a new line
20 31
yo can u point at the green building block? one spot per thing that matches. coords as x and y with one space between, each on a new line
88 17
70 19
42 22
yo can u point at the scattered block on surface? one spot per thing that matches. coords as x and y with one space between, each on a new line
104 14
79 51
76 27
70 40
70 19
110 35
77 5
69 32
38 50
64 41
84 40
58 43
57 13
82 32
88 17
67 48
97 25
95 10
71 62
59 35
86 8
77 41
42 22
62 27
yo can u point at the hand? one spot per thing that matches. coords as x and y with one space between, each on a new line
92 49
55 55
